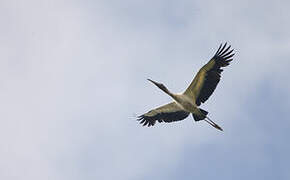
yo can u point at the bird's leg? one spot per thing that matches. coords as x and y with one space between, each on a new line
209 121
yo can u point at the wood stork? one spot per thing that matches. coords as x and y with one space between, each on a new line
200 89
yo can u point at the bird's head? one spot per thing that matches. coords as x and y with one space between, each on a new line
160 85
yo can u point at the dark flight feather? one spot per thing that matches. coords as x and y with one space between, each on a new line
168 113
208 77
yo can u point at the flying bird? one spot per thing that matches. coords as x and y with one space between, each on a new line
200 89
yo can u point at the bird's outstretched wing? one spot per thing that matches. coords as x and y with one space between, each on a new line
206 80
167 113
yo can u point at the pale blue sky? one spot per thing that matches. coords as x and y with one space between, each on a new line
73 74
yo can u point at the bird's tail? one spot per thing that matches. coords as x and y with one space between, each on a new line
200 116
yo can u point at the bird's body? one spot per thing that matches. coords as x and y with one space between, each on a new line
185 103
200 89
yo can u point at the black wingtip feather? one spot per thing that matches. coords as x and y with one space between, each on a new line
218 49
223 54
221 51
226 54
231 55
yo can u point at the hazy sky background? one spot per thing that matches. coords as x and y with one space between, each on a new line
73 76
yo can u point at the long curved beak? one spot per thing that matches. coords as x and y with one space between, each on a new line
156 83
161 86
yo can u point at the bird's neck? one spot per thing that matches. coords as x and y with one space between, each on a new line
169 93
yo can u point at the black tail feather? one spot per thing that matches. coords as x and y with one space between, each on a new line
203 111
200 117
